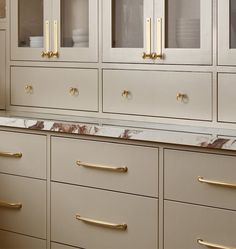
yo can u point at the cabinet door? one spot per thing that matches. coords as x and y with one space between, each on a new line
183 32
30 29
75 30
127 30
227 32
2 68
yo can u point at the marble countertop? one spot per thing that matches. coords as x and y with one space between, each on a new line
129 130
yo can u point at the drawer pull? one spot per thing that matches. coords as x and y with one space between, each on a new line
29 89
73 91
211 245
102 223
222 184
182 97
10 205
125 93
9 154
158 54
102 167
147 54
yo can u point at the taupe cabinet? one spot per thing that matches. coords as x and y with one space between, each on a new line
2 67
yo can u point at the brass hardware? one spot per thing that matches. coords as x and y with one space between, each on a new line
182 97
4 204
102 167
211 245
158 54
102 223
29 89
9 154
222 184
46 53
55 53
147 54
73 91
125 93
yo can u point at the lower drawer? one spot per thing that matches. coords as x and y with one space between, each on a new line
139 213
23 205
16 241
185 224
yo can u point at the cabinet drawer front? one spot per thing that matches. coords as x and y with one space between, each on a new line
30 218
182 172
16 241
60 246
155 93
139 213
141 163
32 163
226 97
184 224
75 89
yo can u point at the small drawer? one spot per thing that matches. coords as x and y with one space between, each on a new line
10 240
23 205
65 88
226 97
200 178
23 154
185 225
154 93
127 166
73 204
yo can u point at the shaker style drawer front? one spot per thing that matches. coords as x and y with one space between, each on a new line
200 178
23 154
106 165
75 89
116 220
226 97
10 240
195 227
166 94
23 205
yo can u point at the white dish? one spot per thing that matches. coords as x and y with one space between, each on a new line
81 38
76 32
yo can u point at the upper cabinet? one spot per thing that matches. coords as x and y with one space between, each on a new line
157 31
54 30
2 10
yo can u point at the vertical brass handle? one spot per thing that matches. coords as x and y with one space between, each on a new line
158 53
212 245
46 52
102 223
55 52
9 205
29 88
9 154
73 91
147 54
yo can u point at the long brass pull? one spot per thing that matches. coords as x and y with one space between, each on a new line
102 167
55 53
9 154
217 183
147 54
102 223
9 205
158 53
46 52
212 245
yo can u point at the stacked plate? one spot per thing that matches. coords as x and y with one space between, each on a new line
188 33
80 38
36 41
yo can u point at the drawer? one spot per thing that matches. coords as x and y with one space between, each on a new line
141 163
184 224
139 213
65 88
16 241
30 217
182 172
154 93
32 163
226 97
60 246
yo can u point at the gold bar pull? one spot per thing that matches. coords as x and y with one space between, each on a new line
158 53
211 245
102 223
147 54
9 154
55 53
9 205
217 183
46 52
102 167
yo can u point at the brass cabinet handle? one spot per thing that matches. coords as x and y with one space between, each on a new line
125 93
29 88
158 53
212 245
102 223
9 154
46 53
103 167
9 205
55 53
218 183
147 54
181 96
73 91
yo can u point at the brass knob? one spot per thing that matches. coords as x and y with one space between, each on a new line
125 93
182 97
73 91
29 89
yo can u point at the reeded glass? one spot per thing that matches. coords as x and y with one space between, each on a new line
233 23
183 24
2 8
127 23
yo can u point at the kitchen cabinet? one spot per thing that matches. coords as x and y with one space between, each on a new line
58 30
157 31
2 67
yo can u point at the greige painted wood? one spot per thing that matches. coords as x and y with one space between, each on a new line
226 97
185 224
60 246
182 169
2 68
10 240
31 193
51 88
33 149
153 93
140 213
142 163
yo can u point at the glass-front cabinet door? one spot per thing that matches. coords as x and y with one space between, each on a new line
2 10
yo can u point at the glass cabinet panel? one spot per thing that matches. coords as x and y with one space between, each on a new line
2 8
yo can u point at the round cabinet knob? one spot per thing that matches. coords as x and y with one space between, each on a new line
126 93
29 89
73 91
183 97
